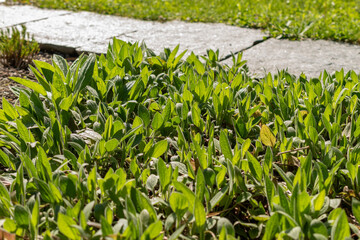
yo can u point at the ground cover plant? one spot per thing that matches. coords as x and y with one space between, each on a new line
17 47
295 19
134 145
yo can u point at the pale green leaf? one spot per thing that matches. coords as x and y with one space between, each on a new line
267 137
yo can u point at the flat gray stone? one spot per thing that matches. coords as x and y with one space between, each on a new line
13 15
310 57
196 37
90 32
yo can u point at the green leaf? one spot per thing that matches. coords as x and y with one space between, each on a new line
267 137
30 84
106 228
91 182
65 224
196 117
200 185
356 209
85 74
268 93
268 160
218 196
225 146
56 192
5 160
10 225
340 229
163 173
319 200
313 134
199 67
144 114
172 56
66 103
177 233
254 166
9 110
43 165
318 227
22 216
270 190
35 215
60 62
225 223
157 121
58 85
289 182
45 191
40 78
111 145
187 193
200 215
201 154
152 231
160 148
24 133
146 204
4 193
179 204
220 177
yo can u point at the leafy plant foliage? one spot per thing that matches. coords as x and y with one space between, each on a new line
17 48
134 145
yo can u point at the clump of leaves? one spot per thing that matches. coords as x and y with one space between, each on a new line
134 145
17 47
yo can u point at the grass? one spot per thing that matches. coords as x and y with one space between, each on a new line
294 19
17 48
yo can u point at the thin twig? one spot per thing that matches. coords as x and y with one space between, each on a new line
294 150
93 224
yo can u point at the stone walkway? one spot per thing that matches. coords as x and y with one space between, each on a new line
71 32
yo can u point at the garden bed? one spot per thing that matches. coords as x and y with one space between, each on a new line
135 145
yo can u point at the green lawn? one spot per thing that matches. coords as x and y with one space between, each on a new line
319 19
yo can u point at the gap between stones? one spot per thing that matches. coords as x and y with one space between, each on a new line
244 49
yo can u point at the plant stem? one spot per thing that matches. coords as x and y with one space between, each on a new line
294 150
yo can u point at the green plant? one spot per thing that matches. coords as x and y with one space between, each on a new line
134 145
17 49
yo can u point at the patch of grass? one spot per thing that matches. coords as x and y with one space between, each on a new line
17 48
294 19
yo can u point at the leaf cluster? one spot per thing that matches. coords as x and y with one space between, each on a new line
134 145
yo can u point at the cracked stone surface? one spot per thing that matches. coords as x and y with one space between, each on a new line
309 56
12 15
92 32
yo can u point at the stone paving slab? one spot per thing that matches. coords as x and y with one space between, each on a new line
13 15
308 56
92 32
